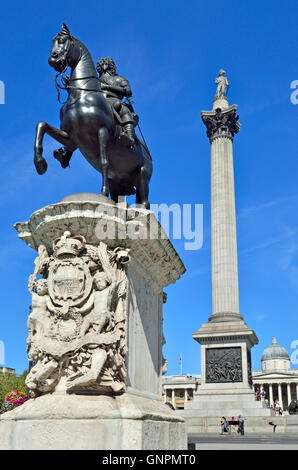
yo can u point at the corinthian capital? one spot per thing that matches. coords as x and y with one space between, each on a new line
221 123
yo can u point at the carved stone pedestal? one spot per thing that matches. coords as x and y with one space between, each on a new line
95 330
80 422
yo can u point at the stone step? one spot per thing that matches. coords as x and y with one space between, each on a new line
252 424
228 412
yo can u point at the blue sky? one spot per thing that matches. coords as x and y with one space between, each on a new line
171 53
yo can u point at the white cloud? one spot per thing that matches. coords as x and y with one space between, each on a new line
250 211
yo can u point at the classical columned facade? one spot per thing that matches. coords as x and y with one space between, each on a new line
278 387
276 379
7 370
178 389
283 389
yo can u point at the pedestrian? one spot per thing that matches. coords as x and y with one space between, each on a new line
233 425
273 424
223 425
240 425
277 408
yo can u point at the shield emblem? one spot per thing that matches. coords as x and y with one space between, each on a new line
69 281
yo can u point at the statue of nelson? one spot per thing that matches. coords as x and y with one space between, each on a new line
115 88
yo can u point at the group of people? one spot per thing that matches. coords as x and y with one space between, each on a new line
277 408
260 395
230 426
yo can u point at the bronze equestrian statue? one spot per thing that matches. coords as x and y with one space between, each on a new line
96 122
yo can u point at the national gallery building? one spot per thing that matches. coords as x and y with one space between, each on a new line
276 379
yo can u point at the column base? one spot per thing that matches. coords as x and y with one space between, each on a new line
225 317
225 327
220 403
226 342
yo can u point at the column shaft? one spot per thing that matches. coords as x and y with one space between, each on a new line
289 394
261 390
223 228
271 394
280 396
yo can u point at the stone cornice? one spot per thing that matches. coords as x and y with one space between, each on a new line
226 334
275 381
275 375
221 123
155 258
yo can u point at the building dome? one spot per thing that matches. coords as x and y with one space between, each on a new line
275 351
275 357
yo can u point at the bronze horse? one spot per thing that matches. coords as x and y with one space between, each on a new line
87 123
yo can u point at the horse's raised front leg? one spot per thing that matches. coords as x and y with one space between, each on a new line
43 128
103 136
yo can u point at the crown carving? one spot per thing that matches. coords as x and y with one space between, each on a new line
68 245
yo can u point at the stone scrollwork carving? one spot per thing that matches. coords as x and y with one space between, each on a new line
223 365
77 327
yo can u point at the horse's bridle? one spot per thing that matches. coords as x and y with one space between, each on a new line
66 80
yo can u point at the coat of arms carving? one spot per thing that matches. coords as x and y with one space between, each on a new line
77 326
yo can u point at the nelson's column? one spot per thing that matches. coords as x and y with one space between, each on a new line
226 340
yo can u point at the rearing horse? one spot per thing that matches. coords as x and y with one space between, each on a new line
87 123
